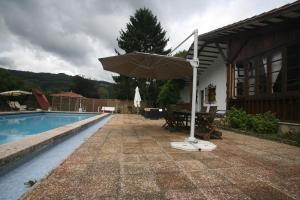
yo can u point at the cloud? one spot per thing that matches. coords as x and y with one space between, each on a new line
68 36
6 62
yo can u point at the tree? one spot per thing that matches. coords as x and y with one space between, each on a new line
85 87
168 95
144 34
170 90
181 54
10 82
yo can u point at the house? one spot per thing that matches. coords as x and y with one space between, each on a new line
253 64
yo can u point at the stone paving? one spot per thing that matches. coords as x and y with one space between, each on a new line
131 158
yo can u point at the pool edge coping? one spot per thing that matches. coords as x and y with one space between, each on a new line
17 150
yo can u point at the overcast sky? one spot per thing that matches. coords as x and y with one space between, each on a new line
68 36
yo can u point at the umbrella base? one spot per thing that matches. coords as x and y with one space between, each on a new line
196 145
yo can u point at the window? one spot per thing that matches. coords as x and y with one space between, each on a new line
276 66
210 94
239 79
251 78
263 76
272 73
293 68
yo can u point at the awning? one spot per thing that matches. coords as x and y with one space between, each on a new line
144 65
68 94
15 93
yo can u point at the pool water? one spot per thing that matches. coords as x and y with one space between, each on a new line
18 126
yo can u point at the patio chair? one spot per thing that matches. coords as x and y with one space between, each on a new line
220 118
180 120
173 120
170 122
203 109
19 106
11 104
205 127
213 109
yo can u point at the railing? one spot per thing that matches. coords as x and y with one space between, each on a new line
286 108
92 105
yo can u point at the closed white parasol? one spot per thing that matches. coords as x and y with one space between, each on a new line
137 98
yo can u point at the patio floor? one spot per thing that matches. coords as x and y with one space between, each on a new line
131 158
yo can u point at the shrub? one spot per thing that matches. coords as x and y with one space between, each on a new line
237 118
169 94
265 123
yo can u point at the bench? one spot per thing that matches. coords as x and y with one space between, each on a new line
108 109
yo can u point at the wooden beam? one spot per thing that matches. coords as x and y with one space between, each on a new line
204 64
207 60
210 46
284 17
239 51
201 48
221 52
208 56
208 51
229 83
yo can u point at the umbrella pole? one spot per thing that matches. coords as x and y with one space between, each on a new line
191 143
195 64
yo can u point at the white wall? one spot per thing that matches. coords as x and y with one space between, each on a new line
215 74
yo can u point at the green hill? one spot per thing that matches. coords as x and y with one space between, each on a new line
46 81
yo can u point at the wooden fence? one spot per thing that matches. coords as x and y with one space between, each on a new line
92 105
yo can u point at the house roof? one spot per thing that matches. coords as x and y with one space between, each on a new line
277 15
68 94
213 44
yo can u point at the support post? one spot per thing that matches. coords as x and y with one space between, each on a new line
194 64
191 143
229 84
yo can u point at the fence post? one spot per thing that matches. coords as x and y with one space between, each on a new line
69 104
93 105
52 102
60 103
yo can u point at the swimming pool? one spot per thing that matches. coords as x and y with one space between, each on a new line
17 126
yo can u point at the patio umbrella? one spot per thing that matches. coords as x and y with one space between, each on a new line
137 98
14 93
145 65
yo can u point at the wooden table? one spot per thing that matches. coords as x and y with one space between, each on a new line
187 116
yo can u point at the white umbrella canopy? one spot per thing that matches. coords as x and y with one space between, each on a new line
137 98
145 65
15 93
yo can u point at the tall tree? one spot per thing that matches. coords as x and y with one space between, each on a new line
170 91
181 54
143 33
84 86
